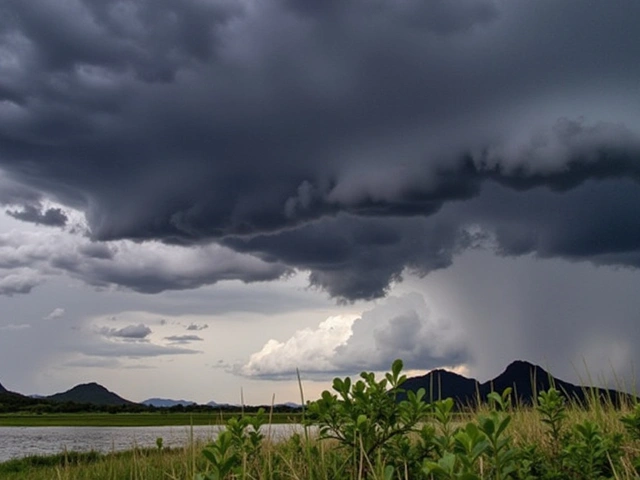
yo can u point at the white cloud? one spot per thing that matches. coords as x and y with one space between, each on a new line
400 327
56 313
311 351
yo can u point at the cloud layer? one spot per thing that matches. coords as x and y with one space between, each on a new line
28 258
354 139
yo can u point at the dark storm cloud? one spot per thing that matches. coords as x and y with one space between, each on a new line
53 217
355 257
332 137
13 193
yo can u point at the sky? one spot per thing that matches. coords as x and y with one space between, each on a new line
201 198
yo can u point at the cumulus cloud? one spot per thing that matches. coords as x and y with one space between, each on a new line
19 281
197 326
311 351
283 130
400 327
55 314
130 332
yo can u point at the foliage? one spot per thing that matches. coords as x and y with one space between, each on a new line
632 423
236 446
367 420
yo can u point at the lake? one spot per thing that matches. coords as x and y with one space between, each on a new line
23 441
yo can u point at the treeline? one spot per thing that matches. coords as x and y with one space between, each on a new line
15 403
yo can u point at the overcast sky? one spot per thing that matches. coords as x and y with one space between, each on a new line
199 197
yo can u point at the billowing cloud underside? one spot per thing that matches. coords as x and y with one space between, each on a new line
401 327
353 139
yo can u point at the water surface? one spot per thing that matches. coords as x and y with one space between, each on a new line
23 441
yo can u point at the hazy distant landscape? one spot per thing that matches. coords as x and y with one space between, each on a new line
524 378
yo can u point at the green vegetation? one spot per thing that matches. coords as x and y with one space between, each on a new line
152 419
361 430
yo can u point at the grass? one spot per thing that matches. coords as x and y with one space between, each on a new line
127 419
135 464
313 459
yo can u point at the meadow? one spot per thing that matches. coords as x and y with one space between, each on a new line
359 431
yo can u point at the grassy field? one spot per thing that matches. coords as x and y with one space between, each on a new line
527 438
127 419
139 464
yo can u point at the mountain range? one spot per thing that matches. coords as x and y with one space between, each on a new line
526 380
166 402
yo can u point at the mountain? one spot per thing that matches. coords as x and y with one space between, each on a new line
526 380
12 401
441 384
166 402
2 389
89 393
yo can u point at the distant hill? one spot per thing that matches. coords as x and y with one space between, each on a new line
12 401
89 393
216 404
2 389
166 402
441 384
526 380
